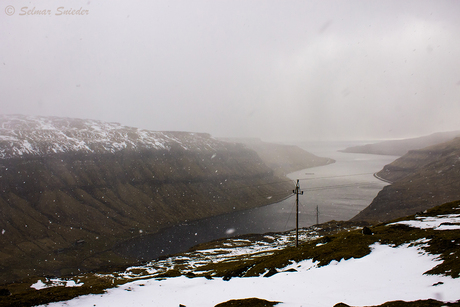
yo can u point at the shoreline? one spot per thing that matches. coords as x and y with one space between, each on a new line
381 179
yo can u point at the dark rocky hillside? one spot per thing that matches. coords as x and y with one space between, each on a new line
401 147
421 180
70 190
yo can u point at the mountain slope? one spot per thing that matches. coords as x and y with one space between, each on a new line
401 147
421 179
283 159
41 136
70 189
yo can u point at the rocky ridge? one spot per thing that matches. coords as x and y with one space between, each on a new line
40 136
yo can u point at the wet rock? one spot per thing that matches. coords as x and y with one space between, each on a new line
190 274
271 272
4 292
367 231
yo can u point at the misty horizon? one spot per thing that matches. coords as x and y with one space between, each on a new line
278 71
248 138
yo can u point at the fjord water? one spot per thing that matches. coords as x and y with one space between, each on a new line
340 190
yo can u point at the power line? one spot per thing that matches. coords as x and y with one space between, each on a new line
290 180
313 189
265 195
338 176
340 186
259 185
289 217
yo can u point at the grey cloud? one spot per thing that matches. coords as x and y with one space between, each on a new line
279 70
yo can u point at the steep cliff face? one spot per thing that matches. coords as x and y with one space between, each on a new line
71 189
421 180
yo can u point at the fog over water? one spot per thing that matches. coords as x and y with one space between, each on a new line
339 190
278 70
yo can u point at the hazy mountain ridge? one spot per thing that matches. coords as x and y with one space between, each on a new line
68 194
283 159
401 147
421 180
38 135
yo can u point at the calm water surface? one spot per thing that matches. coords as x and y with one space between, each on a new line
339 190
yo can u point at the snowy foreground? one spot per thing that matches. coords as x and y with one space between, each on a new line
386 274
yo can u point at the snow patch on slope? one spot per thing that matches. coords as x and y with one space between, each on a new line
55 282
36 135
440 222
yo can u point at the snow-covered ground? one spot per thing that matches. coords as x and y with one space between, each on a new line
388 273
440 222
385 274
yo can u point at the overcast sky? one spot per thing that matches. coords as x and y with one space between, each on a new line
278 70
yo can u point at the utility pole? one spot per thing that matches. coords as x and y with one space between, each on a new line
297 192
317 215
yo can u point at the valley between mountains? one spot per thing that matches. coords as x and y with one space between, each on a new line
72 189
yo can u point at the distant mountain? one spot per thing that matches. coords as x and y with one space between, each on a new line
401 147
72 189
43 136
283 159
421 180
